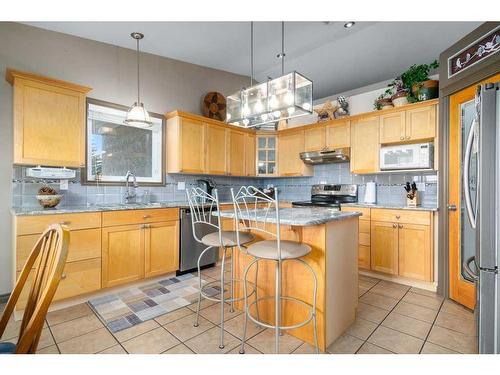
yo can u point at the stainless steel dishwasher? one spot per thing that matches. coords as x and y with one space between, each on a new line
190 249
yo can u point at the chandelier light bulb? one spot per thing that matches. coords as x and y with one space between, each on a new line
291 110
277 114
307 106
273 102
246 122
264 117
289 98
259 107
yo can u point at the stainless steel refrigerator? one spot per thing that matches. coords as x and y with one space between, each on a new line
481 184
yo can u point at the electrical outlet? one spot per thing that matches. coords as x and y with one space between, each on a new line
181 185
63 185
421 186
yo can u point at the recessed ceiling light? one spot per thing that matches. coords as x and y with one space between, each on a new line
349 24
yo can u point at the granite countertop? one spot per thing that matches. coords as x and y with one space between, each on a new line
34 211
298 216
391 206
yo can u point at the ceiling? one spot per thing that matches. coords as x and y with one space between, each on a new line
335 58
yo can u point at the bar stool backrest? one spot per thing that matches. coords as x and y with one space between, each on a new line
202 205
255 211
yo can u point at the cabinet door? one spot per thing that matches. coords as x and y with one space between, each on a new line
364 257
250 155
236 154
49 125
315 138
161 246
393 127
365 145
290 146
216 149
192 148
415 251
384 247
338 135
421 123
122 254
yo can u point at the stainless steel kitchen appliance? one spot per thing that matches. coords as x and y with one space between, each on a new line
481 191
339 155
190 249
408 156
331 196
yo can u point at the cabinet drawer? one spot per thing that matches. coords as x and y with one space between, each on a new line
364 211
364 226
402 216
364 257
83 244
78 278
126 217
364 239
37 224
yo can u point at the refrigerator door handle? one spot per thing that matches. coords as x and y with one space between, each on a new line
468 271
471 213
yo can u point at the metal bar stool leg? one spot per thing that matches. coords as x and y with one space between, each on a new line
245 306
197 321
277 307
221 344
231 309
255 290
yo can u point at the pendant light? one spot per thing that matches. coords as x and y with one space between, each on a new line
137 115
277 99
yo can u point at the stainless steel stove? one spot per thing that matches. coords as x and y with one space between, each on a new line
331 196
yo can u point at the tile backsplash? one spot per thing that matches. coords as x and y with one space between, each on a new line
389 187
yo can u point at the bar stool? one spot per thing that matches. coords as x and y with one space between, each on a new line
255 211
202 205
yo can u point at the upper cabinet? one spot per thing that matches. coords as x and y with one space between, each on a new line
338 134
49 120
250 169
365 145
236 146
393 127
291 143
267 153
315 138
216 149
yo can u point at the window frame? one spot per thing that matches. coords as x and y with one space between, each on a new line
84 176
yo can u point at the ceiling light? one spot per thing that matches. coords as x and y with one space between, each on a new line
275 100
137 115
349 24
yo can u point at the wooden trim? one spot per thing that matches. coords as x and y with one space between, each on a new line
11 75
195 117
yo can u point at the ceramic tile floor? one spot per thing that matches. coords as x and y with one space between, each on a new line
392 318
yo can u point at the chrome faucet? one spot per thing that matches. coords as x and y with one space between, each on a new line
130 194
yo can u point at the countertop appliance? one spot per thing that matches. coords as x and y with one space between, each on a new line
206 185
481 190
190 249
331 196
409 156
339 155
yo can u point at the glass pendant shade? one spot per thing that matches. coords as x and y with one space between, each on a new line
137 116
278 99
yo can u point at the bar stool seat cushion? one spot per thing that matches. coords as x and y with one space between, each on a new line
228 238
269 249
7 348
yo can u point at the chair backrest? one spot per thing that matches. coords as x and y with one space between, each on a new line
256 211
202 205
46 261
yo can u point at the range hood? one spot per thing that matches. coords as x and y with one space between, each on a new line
339 155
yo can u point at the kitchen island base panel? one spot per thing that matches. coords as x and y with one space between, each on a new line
334 260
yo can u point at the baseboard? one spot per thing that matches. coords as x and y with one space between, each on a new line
430 286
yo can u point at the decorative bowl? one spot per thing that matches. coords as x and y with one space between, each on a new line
49 201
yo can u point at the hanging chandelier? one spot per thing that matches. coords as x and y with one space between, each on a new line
277 99
137 115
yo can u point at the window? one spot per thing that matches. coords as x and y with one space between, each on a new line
113 148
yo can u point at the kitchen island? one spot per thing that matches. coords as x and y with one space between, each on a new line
333 237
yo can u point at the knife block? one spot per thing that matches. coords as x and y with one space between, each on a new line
412 202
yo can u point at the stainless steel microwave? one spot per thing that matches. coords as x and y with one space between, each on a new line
409 156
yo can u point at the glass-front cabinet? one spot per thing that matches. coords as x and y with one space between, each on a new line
267 155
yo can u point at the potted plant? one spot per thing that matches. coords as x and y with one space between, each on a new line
400 96
416 81
384 100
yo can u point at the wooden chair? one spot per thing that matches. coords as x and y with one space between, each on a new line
49 254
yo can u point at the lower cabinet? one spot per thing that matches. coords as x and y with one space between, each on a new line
384 247
415 253
161 248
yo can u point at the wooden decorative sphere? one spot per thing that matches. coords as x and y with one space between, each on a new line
214 106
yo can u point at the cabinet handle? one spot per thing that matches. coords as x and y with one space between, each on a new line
407 137
63 276
65 223
146 217
398 217
394 225
402 138
400 226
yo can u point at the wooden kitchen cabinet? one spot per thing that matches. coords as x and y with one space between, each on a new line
48 120
291 143
186 139
236 158
216 149
250 151
415 251
315 138
161 246
421 123
384 247
122 254
338 134
364 236
365 145
393 127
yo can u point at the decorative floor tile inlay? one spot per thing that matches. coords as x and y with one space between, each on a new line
136 305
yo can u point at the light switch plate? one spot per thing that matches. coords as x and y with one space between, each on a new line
181 185
63 185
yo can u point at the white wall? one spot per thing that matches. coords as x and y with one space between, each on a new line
166 85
